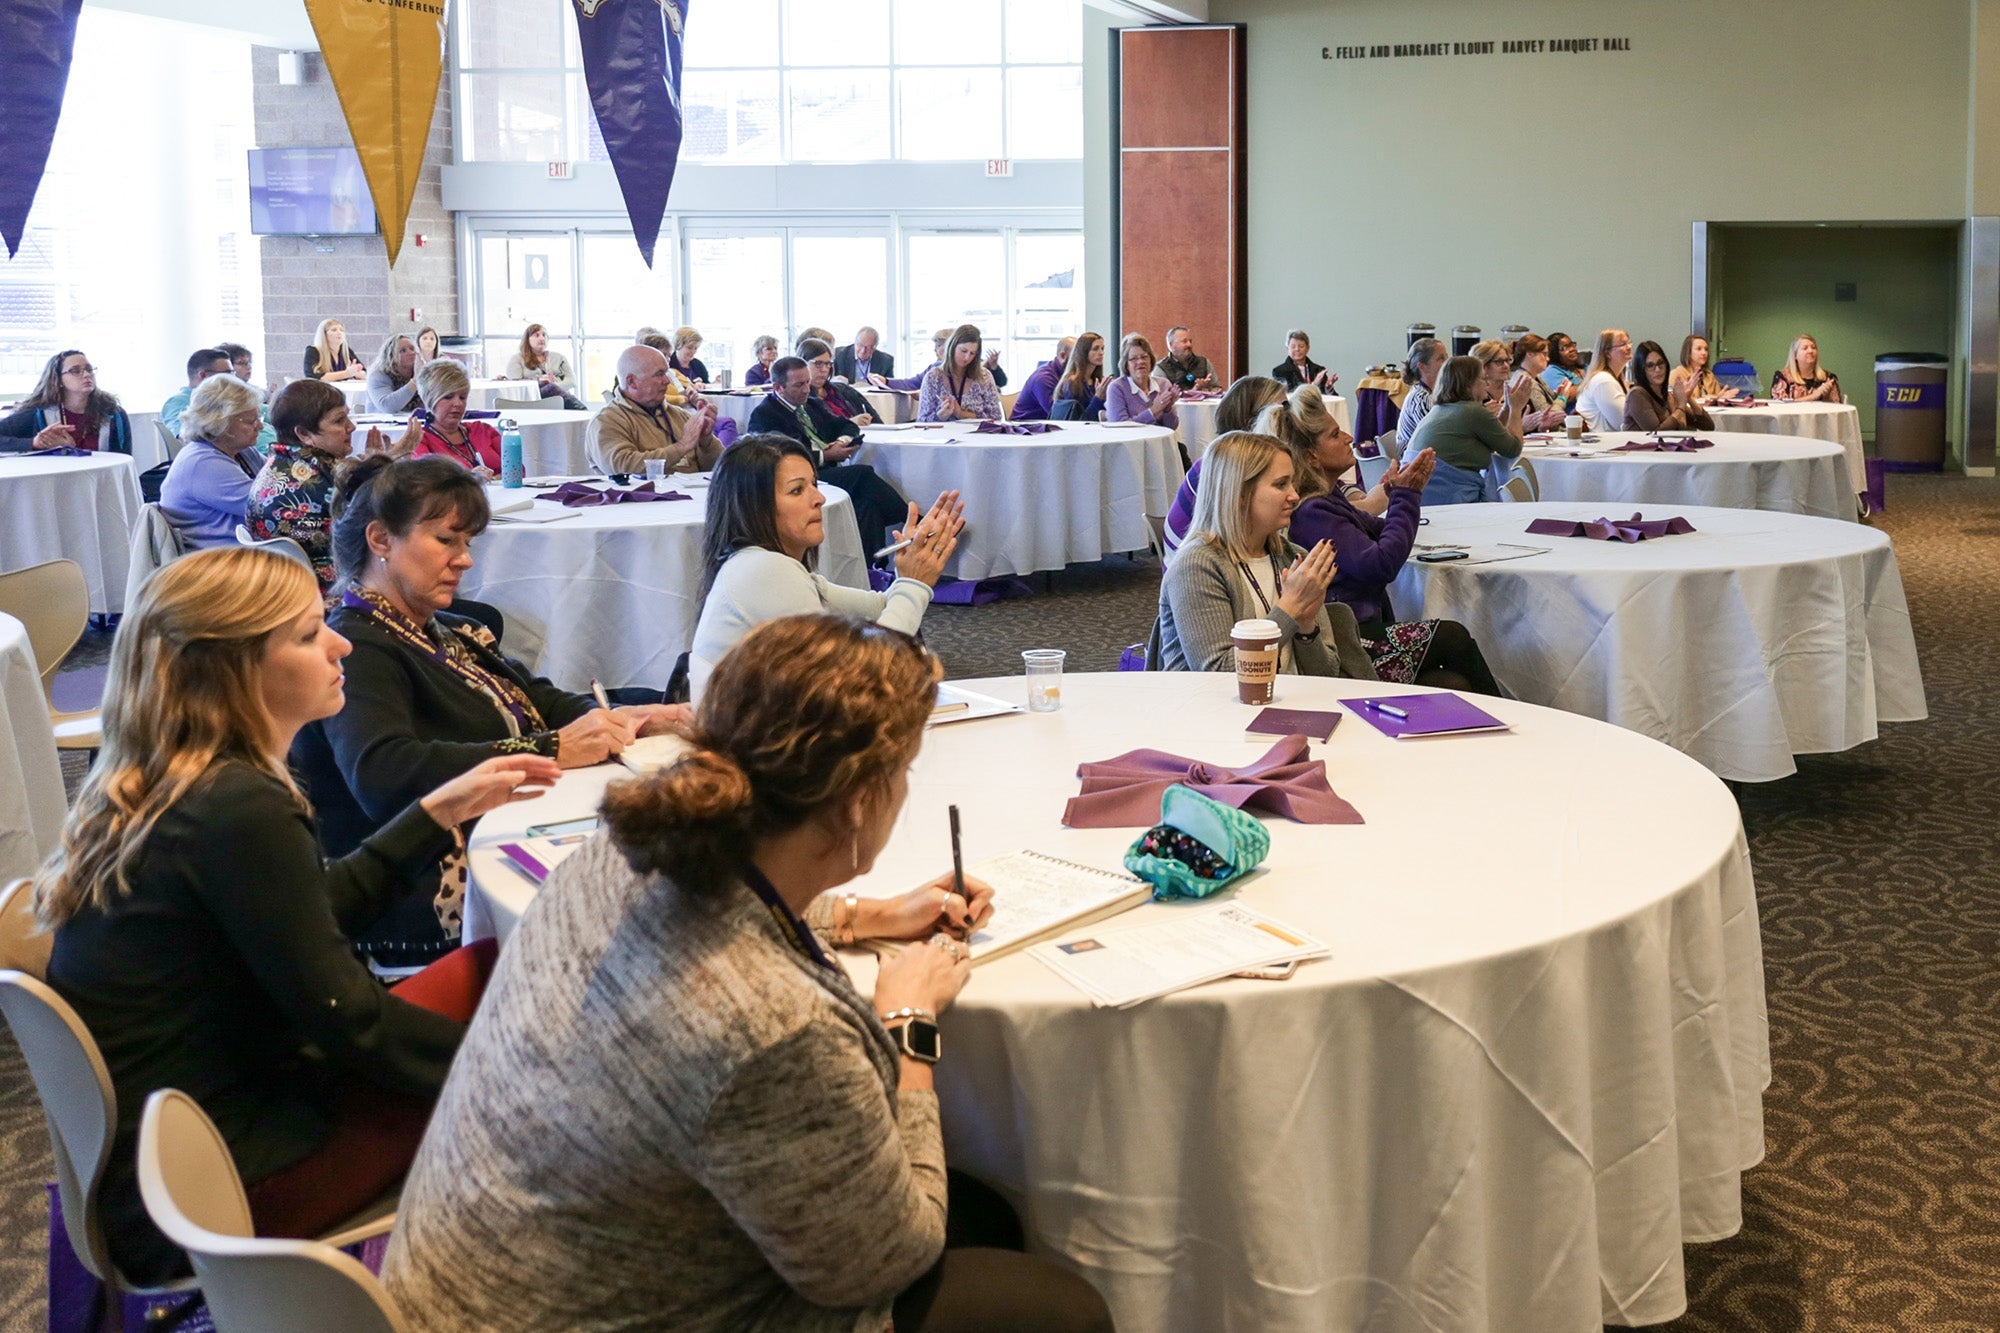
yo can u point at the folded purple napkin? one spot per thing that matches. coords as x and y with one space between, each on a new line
1687 444
1012 428
1633 529
1124 792
1198 396
582 495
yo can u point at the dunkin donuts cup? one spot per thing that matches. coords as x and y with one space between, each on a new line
1573 423
1256 660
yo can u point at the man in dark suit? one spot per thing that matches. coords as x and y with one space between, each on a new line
859 359
790 409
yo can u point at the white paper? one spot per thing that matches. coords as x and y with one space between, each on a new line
537 511
1034 895
976 706
1136 963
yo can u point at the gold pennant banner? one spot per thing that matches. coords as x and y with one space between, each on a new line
386 60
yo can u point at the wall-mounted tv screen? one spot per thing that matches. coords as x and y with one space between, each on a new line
309 192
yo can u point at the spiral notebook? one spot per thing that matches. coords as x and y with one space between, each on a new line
1036 895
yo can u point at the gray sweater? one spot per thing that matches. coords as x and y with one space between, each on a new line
1203 596
665 1116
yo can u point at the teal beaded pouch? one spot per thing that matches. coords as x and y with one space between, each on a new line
1199 846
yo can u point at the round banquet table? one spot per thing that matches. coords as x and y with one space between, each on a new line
735 404
892 405
1756 637
1839 422
1739 471
32 805
1532 1068
1035 502
79 509
552 442
1197 421
612 593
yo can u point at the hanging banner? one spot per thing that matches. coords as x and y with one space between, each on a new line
632 63
36 40
386 59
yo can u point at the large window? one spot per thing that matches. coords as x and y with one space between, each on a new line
1023 288
772 81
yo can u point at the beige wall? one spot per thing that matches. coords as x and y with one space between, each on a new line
1442 189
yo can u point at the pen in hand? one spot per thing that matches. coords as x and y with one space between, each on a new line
958 876
597 692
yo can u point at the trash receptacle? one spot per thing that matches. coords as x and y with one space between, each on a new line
464 350
1464 337
1513 333
1909 410
1416 331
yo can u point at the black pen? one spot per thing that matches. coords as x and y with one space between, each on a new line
958 870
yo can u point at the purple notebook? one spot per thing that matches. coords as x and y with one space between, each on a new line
1318 724
1425 715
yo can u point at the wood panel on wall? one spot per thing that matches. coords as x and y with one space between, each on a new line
1181 238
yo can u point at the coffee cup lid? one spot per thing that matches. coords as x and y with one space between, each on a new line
1255 629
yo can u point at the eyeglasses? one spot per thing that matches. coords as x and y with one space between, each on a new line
823 363
81 370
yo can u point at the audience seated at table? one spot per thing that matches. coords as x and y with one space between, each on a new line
444 387
910 384
392 376
207 488
761 544
841 401
1546 408
329 357
536 360
1802 379
1421 365
687 342
861 360
725 1133
1564 374
1183 367
959 387
1238 410
1653 403
203 363
199 934
791 410
429 693
1138 394
1466 434
66 408
765 348
1602 400
1080 392
680 390
1496 366
243 364
639 423
1236 564
1695 377
1298 367
292 495
1037 394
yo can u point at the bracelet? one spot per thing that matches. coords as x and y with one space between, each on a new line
895 1016
844 913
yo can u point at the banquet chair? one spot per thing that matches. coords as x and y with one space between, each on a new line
1369 471
52 602
1516 489
284 546
24 946
170 443
516 404
156 543
195 1197
1526 467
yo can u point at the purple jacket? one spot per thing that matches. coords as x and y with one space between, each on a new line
1369 551
1037 391
1126 401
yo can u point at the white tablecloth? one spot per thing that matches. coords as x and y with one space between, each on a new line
1741 471
31 787
1033 502
79 509
892 405
485 393
1531 1070
1754 638
1839 422
737 407
552 442
613 593
1197 421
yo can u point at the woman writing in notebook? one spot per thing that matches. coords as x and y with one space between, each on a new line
754 1140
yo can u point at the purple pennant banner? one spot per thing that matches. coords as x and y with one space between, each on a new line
632 65
37 38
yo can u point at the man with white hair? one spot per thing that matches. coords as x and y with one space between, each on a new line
857 361
640 424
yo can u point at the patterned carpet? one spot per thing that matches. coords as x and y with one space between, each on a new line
1878 1204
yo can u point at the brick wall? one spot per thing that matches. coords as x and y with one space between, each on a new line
308 279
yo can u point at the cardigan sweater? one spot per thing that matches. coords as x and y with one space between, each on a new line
1644 410
1203 596
20 427
977 394
219 968
1125 401
1465 435
1602 402
1369 550
554 364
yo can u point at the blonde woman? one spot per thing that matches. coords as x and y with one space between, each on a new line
1802 379
1237 564
687 342
329 357
392 383
1602 401
202 939
1695 377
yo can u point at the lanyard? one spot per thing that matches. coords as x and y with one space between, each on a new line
470 457
516 709
794 930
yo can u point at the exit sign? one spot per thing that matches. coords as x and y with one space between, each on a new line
999 166
559 171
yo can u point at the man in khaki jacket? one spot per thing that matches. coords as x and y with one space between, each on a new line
638 423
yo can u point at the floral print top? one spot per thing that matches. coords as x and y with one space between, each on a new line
293 497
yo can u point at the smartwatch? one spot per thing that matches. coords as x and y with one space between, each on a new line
915 1033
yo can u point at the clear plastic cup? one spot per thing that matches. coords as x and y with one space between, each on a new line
656 470
1044 666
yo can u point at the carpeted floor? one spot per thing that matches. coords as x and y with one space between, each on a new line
1878 1204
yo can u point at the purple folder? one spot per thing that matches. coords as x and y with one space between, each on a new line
1633 529
582 495
1427 715
1687 444
1313 722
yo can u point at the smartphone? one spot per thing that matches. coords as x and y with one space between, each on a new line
1438 557
563 828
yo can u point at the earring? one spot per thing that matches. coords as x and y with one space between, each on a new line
854 851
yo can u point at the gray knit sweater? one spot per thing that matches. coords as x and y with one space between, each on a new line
1203 595
664 1116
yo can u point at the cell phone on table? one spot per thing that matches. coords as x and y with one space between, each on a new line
563 828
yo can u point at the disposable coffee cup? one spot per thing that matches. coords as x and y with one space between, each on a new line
1256 660
1573 423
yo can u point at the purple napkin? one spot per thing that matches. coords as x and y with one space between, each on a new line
1687 444
582 495
1124 792
60 451
1012 428
1198 396
1633 529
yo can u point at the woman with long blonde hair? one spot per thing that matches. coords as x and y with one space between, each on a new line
202 939
329 357
1802 379
1602 401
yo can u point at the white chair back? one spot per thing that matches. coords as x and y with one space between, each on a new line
1370 470
1516 489
1526 467
194 1195
24 945
170 443
156 543
52 602
284 546
516 404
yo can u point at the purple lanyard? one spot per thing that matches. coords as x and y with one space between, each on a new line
788 921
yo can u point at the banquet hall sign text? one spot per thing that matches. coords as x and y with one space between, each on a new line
1531 46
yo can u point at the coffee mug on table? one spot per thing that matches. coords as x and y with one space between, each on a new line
1573 423
1256 660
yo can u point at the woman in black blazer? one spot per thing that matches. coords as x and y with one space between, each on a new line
429 694
1298 368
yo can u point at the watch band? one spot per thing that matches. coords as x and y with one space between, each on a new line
915 1033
